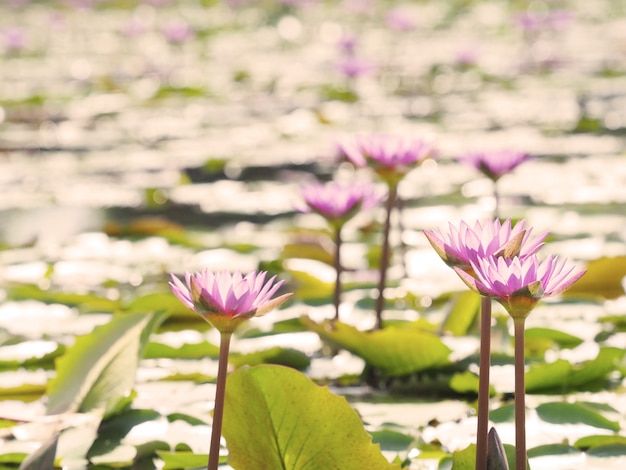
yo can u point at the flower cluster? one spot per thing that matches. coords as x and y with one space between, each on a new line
499 260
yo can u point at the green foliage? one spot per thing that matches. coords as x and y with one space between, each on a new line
99 368
561 376
281 356
602 279
394 351
275 417
465 310
575 413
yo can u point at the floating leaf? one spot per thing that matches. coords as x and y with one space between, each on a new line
186 460
574 413
564 340
603 278
551 449
505 413
617 449
281 356
184 351
589 442
463 314
276 417
390 440
394 351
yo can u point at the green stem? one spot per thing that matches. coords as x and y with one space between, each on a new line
384 257
337 293
218 409
483 384
520 396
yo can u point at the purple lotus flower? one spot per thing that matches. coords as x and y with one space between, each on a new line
495 164
519 283
391 157
338 202
226 300
400 19
353 67
464 244
177 32
14 39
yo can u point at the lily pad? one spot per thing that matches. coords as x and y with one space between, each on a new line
394 351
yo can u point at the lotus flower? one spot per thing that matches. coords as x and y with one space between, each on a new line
391 156
464 244
226 300
338 202
495 164
518 283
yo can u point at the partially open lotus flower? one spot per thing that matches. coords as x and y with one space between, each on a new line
226 300
519 283
463 244
495 164
390 156
339 202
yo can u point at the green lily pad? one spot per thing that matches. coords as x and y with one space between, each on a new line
394 351
282 356
589 442
575 413
296 424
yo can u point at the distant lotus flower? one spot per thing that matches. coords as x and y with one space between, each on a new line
14 39
339 202
495 164
177 32
226 300
463 244
353 67
347 44
519 283
390 156
466 57
400 19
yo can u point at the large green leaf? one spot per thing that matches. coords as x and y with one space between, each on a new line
575 413
603 278
277 418
100 367
394 351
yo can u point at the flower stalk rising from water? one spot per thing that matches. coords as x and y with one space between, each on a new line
518 284
391 158
225 301
338 203
458 248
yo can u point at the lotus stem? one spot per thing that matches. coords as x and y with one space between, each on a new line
385 255
520 396
218 409
483 384
337 293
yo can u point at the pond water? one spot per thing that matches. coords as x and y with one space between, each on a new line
139 138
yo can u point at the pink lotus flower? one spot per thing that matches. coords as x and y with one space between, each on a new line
495 164
519 283
391 157
338 202
226 300
463 245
